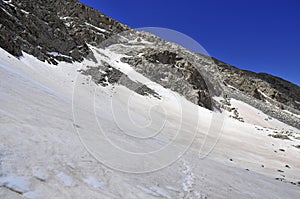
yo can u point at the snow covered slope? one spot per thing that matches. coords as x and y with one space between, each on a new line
56 122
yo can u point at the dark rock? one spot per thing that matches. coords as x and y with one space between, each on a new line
164 57
280 136
60 26
280 171
279 91
183 77
297 146
282 150
255 93
280 179
112 76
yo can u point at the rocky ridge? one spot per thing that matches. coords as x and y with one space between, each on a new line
274 96
53 30
262 86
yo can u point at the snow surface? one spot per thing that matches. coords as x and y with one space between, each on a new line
40 174
97 28
93 182
232 87
289 112
7 1
17 183
38 131
24 11
32 195
67 180
55 54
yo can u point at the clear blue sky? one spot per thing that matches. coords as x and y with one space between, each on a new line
257 35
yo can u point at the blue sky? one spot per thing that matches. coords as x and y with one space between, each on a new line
257 35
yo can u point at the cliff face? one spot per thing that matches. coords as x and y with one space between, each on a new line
53 30
262 86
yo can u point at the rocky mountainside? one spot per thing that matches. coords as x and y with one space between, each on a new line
262 86
64 30
53 30
273 95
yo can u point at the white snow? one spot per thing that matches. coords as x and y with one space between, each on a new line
165 79
68 24
188 181
232 87
161 192
267 97
154 191
37 124
24 11
56 54
93 182
32 195
7 1
172 188
97 28
67 17
148 191
40 174
254 116
17 183
289 112
141 41
66 179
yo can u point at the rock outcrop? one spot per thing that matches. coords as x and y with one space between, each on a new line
262 86
53 30
175 72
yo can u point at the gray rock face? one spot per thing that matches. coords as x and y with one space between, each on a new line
272 95
175 72
111 76
50 30
265 87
